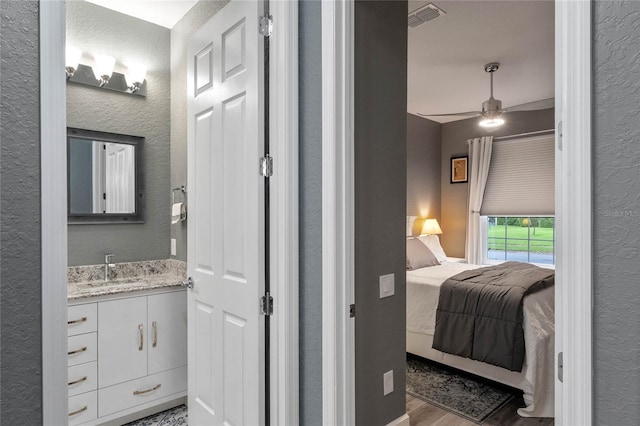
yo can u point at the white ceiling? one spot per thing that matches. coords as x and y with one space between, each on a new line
165 13
447 55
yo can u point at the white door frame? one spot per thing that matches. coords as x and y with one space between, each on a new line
284 216
573 210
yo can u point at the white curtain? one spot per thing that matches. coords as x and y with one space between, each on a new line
479 158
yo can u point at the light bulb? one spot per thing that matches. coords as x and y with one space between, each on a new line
104 68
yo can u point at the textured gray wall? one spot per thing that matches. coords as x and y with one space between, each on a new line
424 146
20 265
180 34
380 205
92 28
616 213
310 243
454 196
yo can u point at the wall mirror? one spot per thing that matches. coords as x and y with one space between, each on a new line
104 177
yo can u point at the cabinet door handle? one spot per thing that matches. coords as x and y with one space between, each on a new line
156 387
83 319
155 334
75 382
73 413
77 351
141 334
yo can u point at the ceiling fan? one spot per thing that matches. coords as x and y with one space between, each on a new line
492 108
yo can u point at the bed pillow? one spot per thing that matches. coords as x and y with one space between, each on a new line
433 243
418 255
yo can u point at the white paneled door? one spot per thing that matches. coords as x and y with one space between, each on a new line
226 220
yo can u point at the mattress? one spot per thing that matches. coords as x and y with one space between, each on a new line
536 379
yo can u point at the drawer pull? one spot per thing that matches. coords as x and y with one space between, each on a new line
141 335
75 382
155 334
156 387
73 413
77 351
78 321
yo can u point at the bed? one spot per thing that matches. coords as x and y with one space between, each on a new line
536 379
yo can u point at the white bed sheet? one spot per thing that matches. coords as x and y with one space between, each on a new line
537 381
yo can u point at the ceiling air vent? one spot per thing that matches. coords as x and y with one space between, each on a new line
424 14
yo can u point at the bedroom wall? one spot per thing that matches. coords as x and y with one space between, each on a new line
380 205
454 196
92 28
616 213
424 146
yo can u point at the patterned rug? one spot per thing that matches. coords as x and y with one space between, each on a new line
176 416
467 396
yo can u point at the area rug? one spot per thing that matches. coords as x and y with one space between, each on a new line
472 398
174 417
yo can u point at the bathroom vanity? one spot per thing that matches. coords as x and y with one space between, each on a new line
127 341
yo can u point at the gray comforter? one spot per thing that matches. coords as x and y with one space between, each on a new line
479 313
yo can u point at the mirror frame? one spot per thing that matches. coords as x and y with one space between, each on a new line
109 218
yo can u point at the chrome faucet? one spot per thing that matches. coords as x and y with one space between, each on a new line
108 258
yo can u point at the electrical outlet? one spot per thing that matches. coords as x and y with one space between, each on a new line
387 379
387 285
173 247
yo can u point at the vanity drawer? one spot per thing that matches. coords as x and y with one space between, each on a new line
82 348
82 319
83 378
139 391
83 408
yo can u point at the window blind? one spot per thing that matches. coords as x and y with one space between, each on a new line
521 177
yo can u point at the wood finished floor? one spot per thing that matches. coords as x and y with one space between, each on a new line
422 413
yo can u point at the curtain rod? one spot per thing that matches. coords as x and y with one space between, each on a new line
521 135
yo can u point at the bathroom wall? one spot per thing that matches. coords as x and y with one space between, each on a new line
94 29
180 34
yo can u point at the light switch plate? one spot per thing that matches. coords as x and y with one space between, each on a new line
387 285
173 247
387 379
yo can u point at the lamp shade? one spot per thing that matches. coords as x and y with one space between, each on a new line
72 57
104 66
431 227
135 74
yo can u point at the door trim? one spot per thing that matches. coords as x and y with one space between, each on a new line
53 148
284 258
338 259
573 212
283 110
573 108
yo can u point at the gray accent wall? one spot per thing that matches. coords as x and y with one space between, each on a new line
180 34
424 147
310 211
20 225
616 213
454 195
380 131
92 28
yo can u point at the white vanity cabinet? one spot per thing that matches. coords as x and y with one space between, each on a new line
141 356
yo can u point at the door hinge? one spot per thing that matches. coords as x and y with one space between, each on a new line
266 166
352 310
265 26
560 365
266 304
559 135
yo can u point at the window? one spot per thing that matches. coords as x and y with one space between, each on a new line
521 238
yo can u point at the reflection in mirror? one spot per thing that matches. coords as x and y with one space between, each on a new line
103 177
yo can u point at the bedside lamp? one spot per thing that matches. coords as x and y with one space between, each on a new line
431 227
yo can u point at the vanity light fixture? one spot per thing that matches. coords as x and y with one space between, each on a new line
104 68
72 59
135 77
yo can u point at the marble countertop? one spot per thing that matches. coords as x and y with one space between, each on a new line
87 281
82 290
